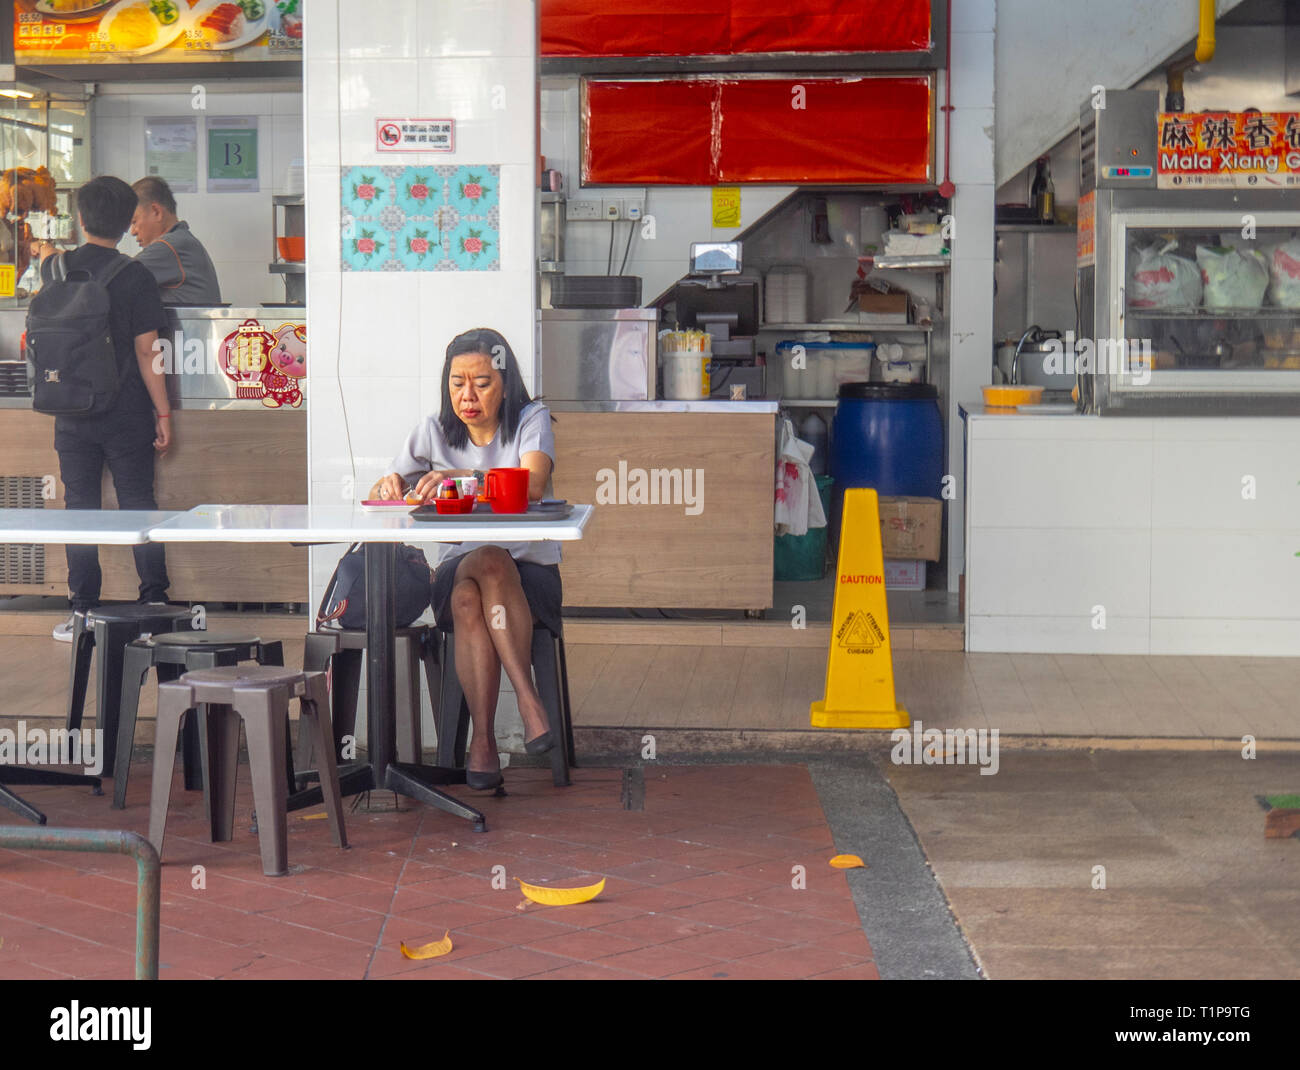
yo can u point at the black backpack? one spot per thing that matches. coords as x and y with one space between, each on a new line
70 342
345 595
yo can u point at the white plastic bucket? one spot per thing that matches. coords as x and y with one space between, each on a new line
686 376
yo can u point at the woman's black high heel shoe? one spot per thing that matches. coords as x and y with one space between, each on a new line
541 744
484 781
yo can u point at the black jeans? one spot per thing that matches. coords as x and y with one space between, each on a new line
123 441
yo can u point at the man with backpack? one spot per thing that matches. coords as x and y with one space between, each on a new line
90 338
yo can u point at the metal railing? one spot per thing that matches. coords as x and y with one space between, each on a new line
107 841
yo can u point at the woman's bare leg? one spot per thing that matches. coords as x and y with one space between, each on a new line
479 670
507 621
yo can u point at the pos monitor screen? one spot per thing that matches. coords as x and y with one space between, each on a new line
715 258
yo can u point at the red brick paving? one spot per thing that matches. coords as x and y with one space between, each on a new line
700 884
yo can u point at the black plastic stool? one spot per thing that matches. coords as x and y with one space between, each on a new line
109 629
172 655
551 671
341 650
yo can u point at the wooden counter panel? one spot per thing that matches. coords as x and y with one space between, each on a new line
228 456
658 555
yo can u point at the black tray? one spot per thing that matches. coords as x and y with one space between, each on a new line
483 514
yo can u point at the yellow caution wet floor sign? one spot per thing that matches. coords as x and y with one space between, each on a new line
860 665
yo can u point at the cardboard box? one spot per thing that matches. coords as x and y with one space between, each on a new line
910 528
884 308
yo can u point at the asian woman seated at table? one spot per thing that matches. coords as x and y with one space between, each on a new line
488 420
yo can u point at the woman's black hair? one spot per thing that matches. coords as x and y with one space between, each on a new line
491 344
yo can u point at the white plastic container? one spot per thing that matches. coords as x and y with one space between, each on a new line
853 365
686 376
785 294
904 575
826 385
902 371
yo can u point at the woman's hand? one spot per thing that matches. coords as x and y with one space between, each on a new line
426 488
389 488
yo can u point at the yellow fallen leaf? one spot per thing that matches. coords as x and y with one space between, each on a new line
561 897
313 817
429 951
848 862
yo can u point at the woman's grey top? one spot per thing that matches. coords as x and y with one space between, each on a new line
427 450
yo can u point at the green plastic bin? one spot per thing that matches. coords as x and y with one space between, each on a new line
803 557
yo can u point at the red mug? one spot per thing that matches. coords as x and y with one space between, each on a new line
507 490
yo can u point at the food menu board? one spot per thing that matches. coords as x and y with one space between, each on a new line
156 31
1213 150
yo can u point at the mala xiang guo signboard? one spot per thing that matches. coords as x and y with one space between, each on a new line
1217 150
156 31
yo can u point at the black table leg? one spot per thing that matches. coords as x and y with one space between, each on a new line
17 774
413 780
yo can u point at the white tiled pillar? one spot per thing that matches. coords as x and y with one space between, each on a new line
377 338
971 294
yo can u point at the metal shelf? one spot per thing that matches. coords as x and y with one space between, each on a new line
1212 313
842 325
1036 228
893 263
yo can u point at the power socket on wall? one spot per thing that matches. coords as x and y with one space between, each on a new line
583 210
612 208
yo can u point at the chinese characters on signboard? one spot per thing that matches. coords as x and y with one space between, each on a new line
1214 150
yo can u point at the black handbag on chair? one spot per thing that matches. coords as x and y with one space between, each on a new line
345 595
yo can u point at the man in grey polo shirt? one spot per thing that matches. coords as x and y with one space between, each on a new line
175 256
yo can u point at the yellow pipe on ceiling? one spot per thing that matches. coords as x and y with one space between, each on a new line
1205 33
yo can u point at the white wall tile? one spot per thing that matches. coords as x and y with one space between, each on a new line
972 69
972 145
1224 637
1054 635
972 210
493 102
1058 572
1225 575
364 33
1199 484
973 16
1113 490
478 28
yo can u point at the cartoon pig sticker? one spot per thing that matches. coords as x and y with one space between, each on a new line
286 367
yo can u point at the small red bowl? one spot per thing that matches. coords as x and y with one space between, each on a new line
454 506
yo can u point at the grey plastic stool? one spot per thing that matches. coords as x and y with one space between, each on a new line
341 650
108 629
259 695
172 654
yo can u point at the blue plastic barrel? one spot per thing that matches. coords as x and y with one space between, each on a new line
888 436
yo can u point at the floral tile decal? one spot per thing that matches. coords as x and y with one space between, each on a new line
443 218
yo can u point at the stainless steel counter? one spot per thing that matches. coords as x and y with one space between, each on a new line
250 357
750 407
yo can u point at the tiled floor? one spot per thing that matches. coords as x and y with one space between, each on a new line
1191 887
701 883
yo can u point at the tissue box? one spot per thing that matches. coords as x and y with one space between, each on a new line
910 528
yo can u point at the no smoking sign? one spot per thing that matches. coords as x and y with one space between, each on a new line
415 135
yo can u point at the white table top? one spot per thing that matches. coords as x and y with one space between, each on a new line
347 523
103 527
